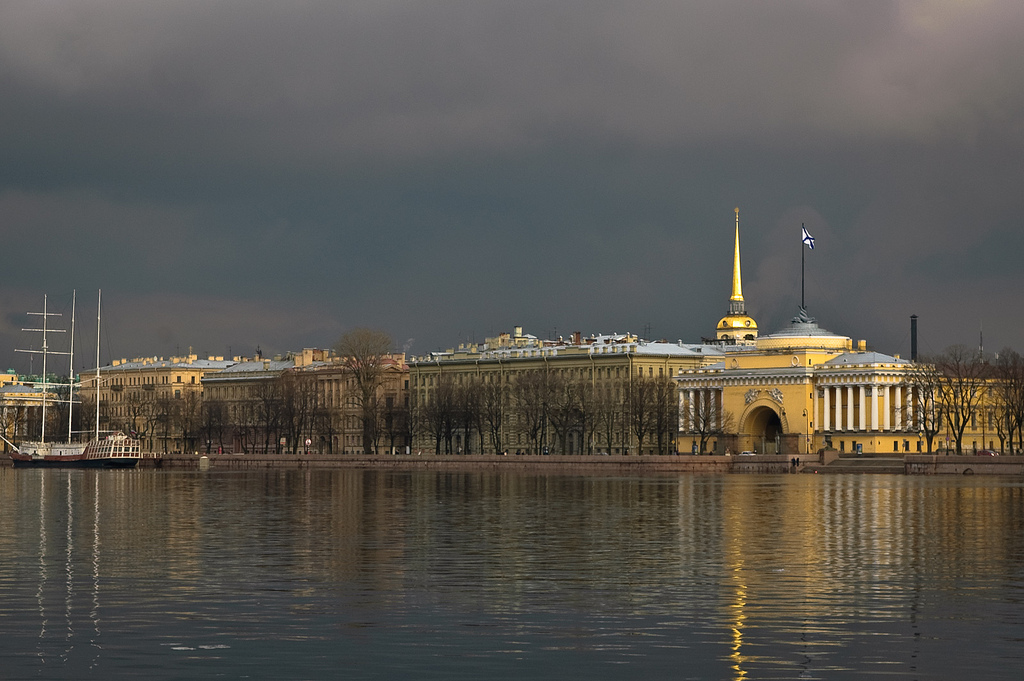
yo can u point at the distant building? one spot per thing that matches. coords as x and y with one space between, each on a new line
517 392
804 388
20 408
279 405
157 400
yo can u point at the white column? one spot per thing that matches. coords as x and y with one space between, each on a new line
910 407
690 410
861 412
721 404
814 423
849 407
682 412
709 396
839 408
899 406
874 408
886 422
828 407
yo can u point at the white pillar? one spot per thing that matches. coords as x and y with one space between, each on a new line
690 410
849 408
886 422
721 404
899 405
814 394
861 412
828 408
839 408
874 408
682 412
709 396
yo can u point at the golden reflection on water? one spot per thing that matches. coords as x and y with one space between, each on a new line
784 575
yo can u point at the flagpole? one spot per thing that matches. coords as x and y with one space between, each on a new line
802 307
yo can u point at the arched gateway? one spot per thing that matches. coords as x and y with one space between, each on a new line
762 428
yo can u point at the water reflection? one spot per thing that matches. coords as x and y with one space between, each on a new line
502 575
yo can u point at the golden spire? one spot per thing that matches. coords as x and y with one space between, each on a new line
737 286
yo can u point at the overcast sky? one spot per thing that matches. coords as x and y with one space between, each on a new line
236 175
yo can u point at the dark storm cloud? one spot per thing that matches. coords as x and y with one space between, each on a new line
240 170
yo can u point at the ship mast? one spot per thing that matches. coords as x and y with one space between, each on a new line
99 301
44 351
71 366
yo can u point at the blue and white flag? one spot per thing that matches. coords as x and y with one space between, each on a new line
807 238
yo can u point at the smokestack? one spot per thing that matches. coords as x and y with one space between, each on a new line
913 338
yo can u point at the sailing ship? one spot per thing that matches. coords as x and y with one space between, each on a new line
116 450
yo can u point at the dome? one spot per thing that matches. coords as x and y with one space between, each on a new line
736 327
803 332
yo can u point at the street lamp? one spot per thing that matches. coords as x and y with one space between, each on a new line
807 436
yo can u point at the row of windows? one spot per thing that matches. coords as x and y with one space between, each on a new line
572 372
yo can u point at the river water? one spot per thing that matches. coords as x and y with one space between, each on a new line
374 575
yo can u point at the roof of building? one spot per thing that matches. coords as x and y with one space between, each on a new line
852 358
597 344
172 363
19 389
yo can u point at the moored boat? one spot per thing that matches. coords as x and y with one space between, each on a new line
116 450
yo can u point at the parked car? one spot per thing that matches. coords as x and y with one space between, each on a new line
986 452
748 453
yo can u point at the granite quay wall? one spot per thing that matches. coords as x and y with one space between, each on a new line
600 465
937 464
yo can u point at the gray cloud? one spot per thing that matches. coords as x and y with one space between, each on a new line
448 169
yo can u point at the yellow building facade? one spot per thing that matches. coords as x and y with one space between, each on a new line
803 389
608 366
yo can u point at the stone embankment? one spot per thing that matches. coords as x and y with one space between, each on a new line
937 464
611 465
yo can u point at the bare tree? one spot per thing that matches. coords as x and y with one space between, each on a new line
397 422
640 400
267 397
467 410
299 398
138 416
166 410
439 413
707 418
563 411
1009 399
925 411
608 412
963 374
189 418
531 400
586 396
366 353
493 406
213 419
665 421
12 421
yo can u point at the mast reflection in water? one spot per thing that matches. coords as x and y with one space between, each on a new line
362 574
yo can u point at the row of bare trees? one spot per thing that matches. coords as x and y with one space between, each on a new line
962 389
278 414
546 411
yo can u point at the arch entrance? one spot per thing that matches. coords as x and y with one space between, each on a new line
764 428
